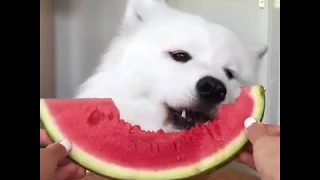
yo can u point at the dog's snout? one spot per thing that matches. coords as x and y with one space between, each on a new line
211 89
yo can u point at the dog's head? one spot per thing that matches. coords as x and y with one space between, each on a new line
184 61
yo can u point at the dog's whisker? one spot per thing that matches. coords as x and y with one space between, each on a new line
272 80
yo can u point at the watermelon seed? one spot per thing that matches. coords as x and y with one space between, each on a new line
95 117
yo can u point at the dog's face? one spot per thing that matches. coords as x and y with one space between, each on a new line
186 63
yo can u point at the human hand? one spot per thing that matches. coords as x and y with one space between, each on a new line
53 162
264 154
246 157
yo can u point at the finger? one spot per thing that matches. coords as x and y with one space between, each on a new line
81 173
273 130
70 171
254 129
59 149
66 172
65 161
247 159
44 138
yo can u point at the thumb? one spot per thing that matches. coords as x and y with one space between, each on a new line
254 129
59 149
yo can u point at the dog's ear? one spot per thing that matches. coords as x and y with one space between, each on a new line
259 50
252 65
138 11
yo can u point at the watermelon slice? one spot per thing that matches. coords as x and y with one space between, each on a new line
107 145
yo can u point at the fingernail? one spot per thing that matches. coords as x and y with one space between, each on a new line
248 122
66 144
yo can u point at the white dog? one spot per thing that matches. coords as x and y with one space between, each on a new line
169 69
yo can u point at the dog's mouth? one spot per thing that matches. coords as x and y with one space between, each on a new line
189 118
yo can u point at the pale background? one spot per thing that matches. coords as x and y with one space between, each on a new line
74 35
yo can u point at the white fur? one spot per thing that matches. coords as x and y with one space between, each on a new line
140 76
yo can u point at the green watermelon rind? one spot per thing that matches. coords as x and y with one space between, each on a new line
118 172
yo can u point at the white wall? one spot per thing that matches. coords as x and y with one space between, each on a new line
274 65
83 29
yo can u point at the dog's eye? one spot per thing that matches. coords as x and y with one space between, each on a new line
229 73
180 56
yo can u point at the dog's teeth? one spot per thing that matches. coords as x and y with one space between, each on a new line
184 114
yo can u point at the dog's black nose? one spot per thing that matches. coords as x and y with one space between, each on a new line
211 89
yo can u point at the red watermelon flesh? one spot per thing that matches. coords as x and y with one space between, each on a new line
105 144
